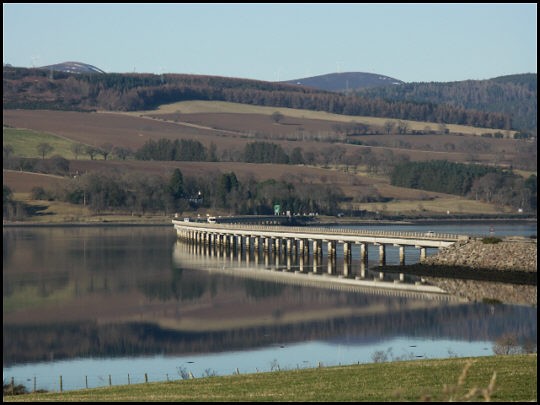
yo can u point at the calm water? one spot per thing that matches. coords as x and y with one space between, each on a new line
100 305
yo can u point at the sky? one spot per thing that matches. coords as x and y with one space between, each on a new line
413 42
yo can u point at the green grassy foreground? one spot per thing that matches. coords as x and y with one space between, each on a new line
491 378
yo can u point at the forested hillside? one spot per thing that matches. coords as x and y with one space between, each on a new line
486 183
41 89
515 95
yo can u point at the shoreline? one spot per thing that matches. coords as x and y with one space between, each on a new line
326 221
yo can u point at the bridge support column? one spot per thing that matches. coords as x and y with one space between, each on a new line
422 253
347 254
269 245
331 249
239 246
401 255
317 250
289 248
382 254
301 264
300 248
295 247
317 253
363 260
277 246
363 252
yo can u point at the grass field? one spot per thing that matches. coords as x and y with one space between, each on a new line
191 107
24 143
450 205
510 378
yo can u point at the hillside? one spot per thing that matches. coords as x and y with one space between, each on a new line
345 82
322 156
37 89
514 95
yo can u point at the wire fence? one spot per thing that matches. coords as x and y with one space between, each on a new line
61 383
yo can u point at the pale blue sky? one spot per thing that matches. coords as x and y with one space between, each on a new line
277 41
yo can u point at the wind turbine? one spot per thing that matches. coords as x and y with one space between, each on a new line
34 59
161 69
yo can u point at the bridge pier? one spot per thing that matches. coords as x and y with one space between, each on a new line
382 254
401 254
422 252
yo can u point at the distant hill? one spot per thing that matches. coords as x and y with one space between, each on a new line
349 81
73 67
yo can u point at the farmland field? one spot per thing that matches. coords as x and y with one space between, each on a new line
230 131
229 126
192 107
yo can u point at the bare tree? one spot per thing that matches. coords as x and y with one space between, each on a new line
105 150
8 150
402 127
122 153
277 117
91 151
77 149
44 149
388 127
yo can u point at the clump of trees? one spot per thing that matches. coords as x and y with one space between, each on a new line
265 152
145 193
11 209
191 150
166 149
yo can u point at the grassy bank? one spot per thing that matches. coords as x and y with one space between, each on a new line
492 378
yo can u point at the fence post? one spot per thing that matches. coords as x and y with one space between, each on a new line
110 380
86 381
61 387
34 390
145 377
129 382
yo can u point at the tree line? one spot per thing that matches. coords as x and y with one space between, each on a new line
192 150
129 92
489 184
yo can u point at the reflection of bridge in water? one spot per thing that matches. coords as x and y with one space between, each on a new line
296 251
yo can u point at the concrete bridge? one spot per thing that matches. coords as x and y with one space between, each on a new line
303 242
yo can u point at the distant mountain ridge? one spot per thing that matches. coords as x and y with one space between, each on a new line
73 67
348 81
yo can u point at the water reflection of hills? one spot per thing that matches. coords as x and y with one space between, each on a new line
108 292
27 343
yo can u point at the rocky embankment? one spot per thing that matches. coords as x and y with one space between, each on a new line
511 254
499 272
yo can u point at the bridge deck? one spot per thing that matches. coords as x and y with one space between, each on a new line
326 233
